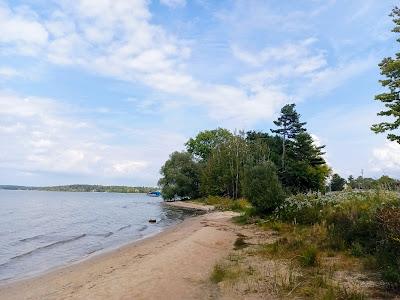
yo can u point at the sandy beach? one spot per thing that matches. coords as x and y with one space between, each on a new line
175 264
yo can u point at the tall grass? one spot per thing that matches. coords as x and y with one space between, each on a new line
363 223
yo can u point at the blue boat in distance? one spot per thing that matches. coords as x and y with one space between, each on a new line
154 194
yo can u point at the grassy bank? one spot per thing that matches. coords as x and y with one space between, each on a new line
338 246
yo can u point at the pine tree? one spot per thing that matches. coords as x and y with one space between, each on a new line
390 68
289 126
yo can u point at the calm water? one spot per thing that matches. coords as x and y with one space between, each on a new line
42 230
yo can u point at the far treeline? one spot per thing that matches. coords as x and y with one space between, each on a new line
82 188
256 165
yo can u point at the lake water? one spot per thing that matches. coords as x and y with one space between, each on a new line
43 230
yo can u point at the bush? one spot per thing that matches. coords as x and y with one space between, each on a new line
363 223
224 203
370 225
301 209
262 188
309 257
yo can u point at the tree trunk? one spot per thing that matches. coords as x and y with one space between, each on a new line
283 151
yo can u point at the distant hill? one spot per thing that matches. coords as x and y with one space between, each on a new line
82 188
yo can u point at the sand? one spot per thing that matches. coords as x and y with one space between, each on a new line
190 205
175 264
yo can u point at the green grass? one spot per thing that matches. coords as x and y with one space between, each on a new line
218 274
309 257
223 203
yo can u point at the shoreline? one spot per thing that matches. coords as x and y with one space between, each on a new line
186 250
104 251
184 205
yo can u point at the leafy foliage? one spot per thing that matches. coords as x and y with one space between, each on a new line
223 171
337 182
203 144
363 223
180 176
262 188
390 68
221 157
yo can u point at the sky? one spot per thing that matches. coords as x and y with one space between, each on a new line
102 91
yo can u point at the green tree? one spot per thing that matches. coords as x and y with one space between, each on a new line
352 182
303 148
262 188
207 140
264 147
337 182
388 183
289 126
305 168
180 176
390 68
222 172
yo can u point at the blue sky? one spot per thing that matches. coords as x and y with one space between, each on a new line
101 91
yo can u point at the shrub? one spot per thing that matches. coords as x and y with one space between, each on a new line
364 223
218 274
224 203
309 257
262 188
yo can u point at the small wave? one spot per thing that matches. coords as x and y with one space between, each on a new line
48 246
143 228
28 239
90 251
107 234
124 227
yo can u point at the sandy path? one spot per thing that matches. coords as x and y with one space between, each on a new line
175 264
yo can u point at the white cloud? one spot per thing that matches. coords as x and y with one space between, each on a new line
386 157
8 73
173 3
42 136
290 52
117 39
21 30
328 79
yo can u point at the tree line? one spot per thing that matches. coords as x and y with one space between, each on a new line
82 188
254 164
337 183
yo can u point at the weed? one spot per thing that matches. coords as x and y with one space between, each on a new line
309 257
218 274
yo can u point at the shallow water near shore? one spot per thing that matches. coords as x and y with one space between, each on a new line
43 230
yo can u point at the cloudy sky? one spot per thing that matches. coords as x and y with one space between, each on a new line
101 91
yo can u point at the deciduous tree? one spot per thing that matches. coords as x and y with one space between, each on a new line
180 176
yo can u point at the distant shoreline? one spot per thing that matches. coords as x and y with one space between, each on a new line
81 188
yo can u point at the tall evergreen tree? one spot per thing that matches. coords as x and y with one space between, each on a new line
289 126
390 68
303 148
337 182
